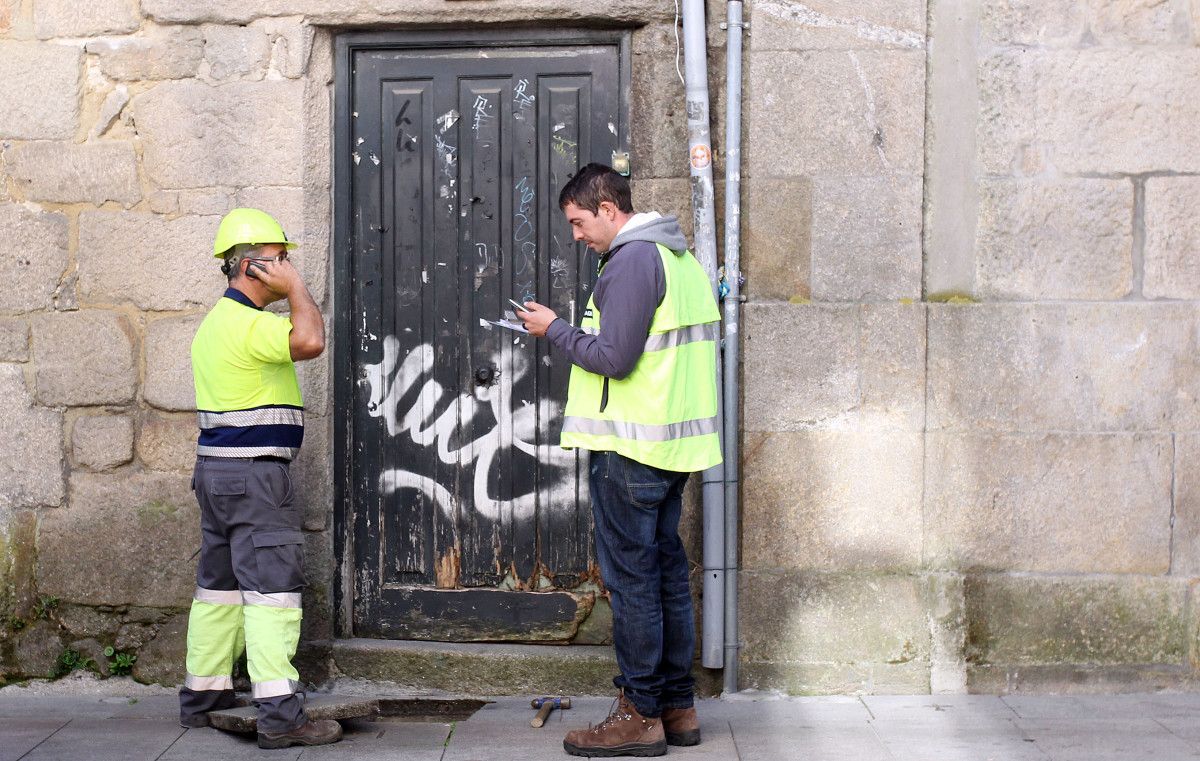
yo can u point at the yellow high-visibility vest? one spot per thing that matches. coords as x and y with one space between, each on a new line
664 413
247 395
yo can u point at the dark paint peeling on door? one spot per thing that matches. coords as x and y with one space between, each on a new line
460 499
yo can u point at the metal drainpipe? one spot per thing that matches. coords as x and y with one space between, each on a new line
733 277
712 490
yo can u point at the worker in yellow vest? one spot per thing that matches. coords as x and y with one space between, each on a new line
250 573
643 399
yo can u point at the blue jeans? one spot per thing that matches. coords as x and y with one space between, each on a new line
645 569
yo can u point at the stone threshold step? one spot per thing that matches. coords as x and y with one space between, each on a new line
341 707
478 669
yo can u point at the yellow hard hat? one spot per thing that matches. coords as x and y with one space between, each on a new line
248 226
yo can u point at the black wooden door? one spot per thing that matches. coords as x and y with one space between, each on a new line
469 522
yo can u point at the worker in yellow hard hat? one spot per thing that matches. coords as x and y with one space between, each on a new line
250 576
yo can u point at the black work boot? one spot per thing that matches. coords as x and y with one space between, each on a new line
320 732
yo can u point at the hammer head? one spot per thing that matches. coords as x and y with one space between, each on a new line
560 703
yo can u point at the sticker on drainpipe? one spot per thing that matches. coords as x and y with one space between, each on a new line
620 163
701 156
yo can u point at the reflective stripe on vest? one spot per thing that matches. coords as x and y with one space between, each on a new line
287 453
681 336
671 338
664 413
640 431
245 418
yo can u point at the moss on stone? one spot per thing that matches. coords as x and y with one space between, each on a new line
951 297
157 509
480 670
1028 621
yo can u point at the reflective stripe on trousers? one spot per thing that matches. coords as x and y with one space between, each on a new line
198 683
273 688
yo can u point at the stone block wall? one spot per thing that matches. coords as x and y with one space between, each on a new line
1007 474
123 138
993 495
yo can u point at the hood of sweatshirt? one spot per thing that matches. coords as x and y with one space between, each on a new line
653 228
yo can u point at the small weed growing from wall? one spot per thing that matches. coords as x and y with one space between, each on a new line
119 663
70 660
45 606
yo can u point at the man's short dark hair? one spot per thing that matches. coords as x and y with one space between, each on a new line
593 185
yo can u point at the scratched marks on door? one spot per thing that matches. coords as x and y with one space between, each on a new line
522 98
406 138
433 416
524 239
483 112
446 159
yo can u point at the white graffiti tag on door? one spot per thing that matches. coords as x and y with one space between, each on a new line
433 416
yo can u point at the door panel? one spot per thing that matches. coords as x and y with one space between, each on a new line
460 500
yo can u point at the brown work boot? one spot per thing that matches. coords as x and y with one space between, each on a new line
681 726
624 733
321 732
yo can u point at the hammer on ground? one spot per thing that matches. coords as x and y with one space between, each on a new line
545 706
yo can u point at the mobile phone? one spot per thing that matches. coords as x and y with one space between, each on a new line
518 307
253 266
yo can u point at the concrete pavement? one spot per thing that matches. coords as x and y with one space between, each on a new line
1163 727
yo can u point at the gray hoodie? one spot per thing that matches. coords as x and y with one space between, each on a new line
630 288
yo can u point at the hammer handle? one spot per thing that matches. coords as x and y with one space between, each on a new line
543 712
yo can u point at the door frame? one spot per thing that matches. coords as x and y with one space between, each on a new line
345 46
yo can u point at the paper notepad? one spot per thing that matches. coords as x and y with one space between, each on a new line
510 325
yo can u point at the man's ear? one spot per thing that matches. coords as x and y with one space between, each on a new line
608 209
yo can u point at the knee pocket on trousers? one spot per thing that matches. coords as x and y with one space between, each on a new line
279 555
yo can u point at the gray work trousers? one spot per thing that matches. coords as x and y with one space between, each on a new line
248 588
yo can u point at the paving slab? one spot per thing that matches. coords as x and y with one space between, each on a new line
1107 739
164 707
501 730
385 740
798 711
839 741
925 707
1184 727
999 740
212 745
108 740
23 735
1104 706
17 707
